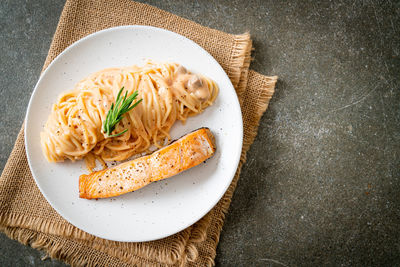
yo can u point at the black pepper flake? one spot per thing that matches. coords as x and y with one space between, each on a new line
121 187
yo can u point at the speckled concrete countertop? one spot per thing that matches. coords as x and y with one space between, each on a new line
321 183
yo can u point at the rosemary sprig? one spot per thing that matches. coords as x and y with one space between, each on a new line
114 115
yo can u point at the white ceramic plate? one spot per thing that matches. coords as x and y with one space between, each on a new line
159 209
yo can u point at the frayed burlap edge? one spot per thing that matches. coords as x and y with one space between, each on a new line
44 228
59 250
57 247
244 43
240 59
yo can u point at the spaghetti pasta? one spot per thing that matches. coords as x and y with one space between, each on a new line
169 92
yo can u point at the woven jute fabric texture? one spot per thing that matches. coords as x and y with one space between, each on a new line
26 216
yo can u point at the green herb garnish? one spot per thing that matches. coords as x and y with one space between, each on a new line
114 115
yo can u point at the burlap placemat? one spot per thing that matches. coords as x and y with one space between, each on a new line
27 217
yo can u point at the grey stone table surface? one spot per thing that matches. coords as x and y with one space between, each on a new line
321 183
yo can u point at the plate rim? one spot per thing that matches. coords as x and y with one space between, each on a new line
28 122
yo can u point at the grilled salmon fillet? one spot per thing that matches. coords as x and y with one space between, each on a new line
186 152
